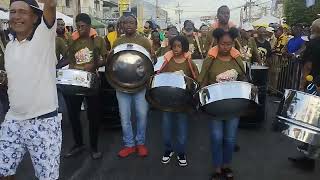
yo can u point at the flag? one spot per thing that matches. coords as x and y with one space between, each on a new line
310 3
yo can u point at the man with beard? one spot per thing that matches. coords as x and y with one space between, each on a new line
193 39
32 123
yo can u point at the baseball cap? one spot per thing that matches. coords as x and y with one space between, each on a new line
32 3
270 29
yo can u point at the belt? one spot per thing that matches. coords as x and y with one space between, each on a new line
48 115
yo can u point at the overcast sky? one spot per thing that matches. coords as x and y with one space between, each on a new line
193 9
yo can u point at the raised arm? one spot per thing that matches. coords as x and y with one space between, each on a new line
49 12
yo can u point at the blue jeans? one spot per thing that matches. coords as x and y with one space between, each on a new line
141 109
223 137
182 127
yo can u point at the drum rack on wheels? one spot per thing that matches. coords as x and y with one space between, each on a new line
110 113
256 114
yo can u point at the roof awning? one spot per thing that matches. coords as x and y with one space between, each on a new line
109 4
95 23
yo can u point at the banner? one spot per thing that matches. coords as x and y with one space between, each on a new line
124 6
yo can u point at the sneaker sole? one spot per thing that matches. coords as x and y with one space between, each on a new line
166 162
183 165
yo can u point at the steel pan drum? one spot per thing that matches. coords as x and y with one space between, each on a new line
160 61
299 116
226 98
129 67
77 82
171 92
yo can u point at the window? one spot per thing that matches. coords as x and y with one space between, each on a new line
68 3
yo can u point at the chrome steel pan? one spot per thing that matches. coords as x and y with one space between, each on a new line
77 82
299 116
129 67
226 98
171 92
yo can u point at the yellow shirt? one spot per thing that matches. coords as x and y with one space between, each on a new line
112 37
282 41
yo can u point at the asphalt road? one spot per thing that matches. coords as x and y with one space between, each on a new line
263 155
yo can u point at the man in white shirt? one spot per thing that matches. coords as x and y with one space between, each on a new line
32 122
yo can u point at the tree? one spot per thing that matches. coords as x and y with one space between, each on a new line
295 11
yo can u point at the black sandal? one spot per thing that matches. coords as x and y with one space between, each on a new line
228 173
217 176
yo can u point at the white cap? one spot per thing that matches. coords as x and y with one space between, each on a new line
270 29
247 26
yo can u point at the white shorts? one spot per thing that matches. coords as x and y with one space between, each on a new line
41 138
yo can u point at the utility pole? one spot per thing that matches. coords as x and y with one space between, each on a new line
250 10
179 12
157 9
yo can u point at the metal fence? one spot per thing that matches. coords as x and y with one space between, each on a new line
284 73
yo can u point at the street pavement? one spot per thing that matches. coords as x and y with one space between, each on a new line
263 155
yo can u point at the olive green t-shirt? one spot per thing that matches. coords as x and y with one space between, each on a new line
136 39
213 67
172 66
162 51
250 46
61 48
193 47
86 51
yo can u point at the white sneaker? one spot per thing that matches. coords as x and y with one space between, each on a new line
182 159
166 157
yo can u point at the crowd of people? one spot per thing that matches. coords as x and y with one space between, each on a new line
32 122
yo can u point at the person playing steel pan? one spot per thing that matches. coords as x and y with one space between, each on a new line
172 32
311 56
177 60
189 31
223 22
223 63
87 52
32 123
249 50
131 144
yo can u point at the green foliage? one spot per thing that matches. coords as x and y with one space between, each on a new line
295 11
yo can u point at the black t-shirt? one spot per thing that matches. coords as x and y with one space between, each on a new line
312 54
264 48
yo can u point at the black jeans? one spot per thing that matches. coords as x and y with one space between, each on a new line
93 114
4 102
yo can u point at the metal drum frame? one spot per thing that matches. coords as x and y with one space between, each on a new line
129 68
226 98
299 116
171 92
77 82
